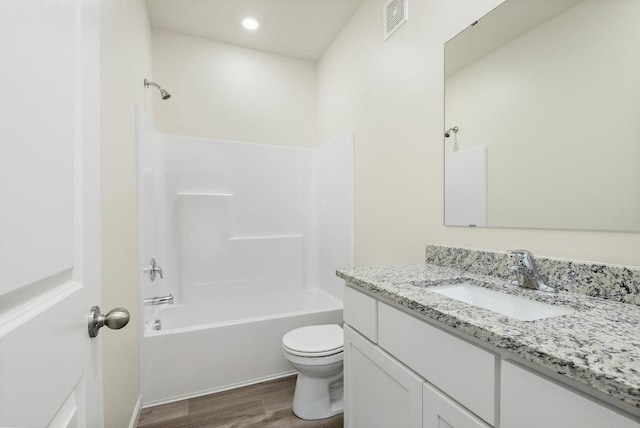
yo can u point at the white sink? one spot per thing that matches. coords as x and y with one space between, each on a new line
506 304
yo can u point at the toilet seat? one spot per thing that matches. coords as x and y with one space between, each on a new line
313 361
313 354
314 341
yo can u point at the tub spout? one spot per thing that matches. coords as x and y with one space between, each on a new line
159 300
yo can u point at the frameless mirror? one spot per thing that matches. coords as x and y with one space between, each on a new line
542 113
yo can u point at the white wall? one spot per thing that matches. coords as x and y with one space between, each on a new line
391 94
225 92
550 163
126 61
382 91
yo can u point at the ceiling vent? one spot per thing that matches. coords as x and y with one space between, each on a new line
395 14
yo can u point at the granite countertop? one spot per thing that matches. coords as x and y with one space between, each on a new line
597 345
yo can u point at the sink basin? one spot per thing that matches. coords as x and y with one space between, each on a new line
506 304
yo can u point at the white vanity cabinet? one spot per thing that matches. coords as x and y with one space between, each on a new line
403 372
381 392
388 355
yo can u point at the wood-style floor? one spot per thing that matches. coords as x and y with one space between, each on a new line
264 405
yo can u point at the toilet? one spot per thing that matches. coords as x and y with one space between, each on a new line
316 352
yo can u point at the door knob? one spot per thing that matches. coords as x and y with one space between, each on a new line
115 319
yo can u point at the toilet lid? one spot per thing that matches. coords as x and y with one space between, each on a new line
314 340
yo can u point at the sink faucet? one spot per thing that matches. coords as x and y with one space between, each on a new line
158 300
526 271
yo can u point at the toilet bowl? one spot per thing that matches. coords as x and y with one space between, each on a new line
316 352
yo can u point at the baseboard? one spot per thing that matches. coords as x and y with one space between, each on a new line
133 423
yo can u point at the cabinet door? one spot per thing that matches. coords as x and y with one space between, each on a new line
440 411
530 400
379 391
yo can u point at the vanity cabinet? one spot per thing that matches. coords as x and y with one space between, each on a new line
404 372
381 392
388 356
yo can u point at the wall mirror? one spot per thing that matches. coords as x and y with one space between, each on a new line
542 113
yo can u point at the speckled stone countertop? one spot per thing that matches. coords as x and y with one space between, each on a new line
597 345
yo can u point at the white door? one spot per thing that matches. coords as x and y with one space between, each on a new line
50 370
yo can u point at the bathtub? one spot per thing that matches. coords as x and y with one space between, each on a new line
208 347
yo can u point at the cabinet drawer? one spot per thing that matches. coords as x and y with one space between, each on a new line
458 368
360 312
525 393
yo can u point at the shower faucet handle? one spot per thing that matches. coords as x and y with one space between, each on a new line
158 270
152 268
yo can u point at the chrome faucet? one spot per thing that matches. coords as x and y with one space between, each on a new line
527 273
152 268
158 300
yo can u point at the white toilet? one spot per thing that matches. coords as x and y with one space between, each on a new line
316 352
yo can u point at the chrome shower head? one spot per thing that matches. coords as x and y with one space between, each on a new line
164 94
447 134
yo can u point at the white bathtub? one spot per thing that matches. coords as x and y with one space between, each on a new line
212 346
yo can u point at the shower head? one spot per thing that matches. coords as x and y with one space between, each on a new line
447 134
164 94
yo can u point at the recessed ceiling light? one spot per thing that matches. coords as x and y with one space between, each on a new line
250 23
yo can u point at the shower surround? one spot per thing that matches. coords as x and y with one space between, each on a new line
232 222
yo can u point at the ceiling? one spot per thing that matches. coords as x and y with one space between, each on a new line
296 28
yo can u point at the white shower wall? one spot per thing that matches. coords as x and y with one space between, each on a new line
333 211
228 219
